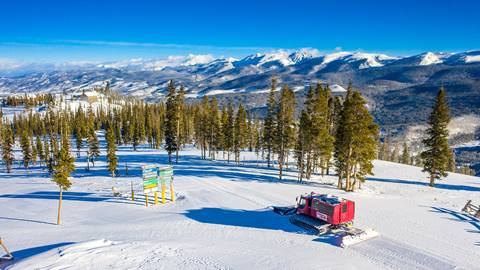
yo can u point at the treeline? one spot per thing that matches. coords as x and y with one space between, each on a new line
331 132
28 101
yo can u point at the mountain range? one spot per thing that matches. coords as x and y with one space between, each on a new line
399 89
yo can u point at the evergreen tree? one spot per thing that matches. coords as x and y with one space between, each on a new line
26 150
269 123
48 156
171 118
240 132
111 149
321 126
79 139
7 147
356 141
394 156
64 167
214 133
437 152
228 130
41 153
180 104
34 153
301 146
285 132
93 147
452 166
405 154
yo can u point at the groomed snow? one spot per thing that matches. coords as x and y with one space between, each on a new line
223 220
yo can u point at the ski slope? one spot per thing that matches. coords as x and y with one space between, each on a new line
222 219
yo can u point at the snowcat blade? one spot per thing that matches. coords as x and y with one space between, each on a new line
357 237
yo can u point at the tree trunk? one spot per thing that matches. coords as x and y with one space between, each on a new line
178 140
432 180
59 206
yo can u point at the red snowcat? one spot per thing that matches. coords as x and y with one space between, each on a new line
325 213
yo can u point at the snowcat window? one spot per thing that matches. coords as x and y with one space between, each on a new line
325 209
315 205
302 203
344 208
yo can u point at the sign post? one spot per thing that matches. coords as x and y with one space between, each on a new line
155 177
166 177
150 180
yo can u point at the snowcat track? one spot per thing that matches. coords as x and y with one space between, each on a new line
314 226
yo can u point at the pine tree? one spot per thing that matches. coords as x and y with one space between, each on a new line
79 139
452 166
111 149
34 153
171 118
64 167
394 156
321 125
228 130
437 152
180 104
26 150
240 132
269 123
93 147
285 132
41 153
301 146
405 154
48 156
7 147
356 141
214 133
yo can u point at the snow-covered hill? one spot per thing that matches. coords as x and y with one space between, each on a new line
204 72
222 219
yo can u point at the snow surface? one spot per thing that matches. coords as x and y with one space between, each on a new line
222 219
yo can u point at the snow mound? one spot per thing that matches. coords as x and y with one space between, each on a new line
105 254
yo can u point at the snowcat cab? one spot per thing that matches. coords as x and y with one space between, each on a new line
328 208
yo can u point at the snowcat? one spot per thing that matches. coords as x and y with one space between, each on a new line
327 214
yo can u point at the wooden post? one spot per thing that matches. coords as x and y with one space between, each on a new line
156 197
172 193
163 193
10 256
59 206
133 195
146 199
465 208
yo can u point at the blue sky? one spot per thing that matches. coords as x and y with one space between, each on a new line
113 30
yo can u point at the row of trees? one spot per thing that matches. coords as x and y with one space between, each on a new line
28 101
329 129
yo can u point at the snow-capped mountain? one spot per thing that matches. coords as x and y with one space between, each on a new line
248 78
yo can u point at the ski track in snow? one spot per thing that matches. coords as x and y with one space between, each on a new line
395 255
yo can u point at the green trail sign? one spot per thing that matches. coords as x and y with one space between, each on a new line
150 178
165 175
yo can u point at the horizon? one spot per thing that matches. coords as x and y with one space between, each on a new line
59 32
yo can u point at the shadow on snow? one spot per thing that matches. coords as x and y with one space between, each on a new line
264 219
413 182
458 216
67 195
